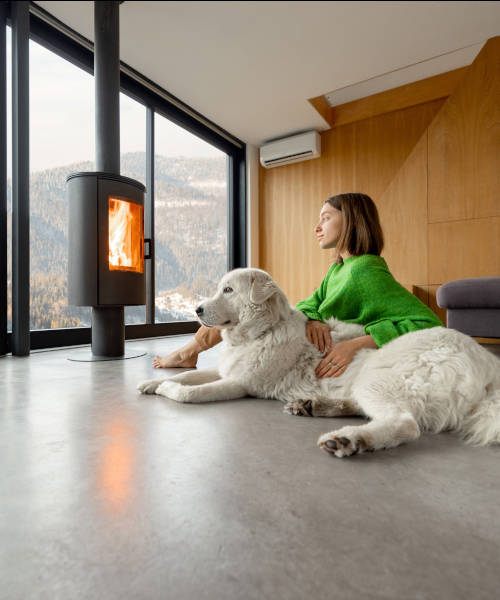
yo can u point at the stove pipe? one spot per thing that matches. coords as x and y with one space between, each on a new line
107 86
108 322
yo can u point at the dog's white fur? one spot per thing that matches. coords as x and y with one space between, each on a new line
429 380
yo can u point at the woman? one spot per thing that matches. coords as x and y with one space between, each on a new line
358 288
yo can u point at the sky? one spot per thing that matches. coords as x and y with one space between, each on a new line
62 117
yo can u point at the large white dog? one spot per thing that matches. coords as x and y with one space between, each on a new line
430 380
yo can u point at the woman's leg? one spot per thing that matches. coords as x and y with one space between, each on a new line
187 356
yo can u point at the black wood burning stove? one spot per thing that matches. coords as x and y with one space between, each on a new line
106 253
106 211
106 240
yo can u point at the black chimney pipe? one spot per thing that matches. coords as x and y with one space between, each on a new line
108 322
107 86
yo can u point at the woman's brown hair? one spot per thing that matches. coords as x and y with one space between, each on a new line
361 231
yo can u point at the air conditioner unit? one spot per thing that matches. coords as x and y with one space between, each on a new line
291 149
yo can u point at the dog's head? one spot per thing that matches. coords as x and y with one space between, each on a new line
244 296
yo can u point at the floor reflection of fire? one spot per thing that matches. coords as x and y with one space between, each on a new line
126 237
116 468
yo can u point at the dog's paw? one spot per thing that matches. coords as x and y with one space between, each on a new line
150 386
175 391
300 408
344 442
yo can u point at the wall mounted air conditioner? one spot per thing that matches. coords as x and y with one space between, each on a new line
291 149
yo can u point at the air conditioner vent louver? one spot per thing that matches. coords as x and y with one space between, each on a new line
292 149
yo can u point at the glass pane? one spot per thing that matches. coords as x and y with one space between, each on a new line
61 141
125 236
133 164
190 221
9 179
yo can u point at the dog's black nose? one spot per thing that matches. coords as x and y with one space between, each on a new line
199 310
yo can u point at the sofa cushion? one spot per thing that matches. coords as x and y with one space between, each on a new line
475 292
479 322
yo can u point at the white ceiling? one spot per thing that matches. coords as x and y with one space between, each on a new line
251 66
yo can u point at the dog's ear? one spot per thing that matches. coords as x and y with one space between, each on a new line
262 288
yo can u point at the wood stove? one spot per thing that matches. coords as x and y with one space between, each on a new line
106 253
106 240
106 211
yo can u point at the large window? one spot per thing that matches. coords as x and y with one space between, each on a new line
195 200
190 220
61 142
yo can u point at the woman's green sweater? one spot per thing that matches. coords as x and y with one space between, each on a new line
362 290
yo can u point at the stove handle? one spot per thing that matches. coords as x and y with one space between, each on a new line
148 241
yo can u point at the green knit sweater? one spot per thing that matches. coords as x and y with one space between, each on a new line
362 290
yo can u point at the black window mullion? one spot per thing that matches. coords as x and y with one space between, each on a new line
3 179
149 214
239 227
236 213
20 180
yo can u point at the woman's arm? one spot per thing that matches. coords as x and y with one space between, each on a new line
310 305
365 341
340 356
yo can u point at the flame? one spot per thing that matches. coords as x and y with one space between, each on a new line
125 236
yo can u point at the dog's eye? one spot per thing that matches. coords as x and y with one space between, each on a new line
227 290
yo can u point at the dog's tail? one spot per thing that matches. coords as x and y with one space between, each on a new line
482 426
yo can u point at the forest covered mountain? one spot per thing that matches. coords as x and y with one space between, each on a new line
190 238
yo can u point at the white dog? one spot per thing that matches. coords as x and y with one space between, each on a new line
430 380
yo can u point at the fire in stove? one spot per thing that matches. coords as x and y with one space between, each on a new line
125 236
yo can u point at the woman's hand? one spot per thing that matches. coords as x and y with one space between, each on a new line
340 356
318 333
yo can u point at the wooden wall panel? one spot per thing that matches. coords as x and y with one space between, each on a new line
403 213
384 143
460 249
464 142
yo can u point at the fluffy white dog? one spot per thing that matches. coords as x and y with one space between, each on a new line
430 380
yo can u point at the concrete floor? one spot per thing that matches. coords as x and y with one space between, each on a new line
109 494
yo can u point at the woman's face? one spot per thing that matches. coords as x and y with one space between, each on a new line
329 227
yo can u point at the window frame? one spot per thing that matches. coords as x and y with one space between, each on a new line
4 342
47 31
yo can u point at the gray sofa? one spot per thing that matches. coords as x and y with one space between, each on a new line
472 305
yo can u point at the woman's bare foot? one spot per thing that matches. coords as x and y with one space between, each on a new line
186 357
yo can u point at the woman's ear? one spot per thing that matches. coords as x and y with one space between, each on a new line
262 288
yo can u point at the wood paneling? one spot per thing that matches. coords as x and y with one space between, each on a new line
320 103
464 142
460 249
421 292
405 202
487 340
419 92
383 145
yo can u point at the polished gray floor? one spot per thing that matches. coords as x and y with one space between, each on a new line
109 494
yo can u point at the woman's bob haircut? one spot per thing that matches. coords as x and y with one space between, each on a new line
361 231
